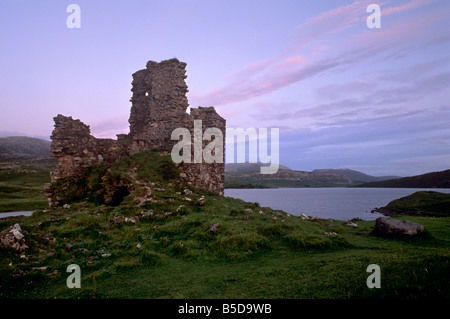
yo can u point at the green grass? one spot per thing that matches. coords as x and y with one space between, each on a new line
150 166
21 185
255 252
249 256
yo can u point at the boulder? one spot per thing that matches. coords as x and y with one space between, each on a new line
214 227
397 227
14 238
130 220
17 234
201 201
304 216
350 223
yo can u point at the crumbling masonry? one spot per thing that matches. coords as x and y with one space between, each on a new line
159 105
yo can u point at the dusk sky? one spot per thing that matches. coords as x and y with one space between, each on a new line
343 95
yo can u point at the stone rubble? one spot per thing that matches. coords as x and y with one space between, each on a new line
14 238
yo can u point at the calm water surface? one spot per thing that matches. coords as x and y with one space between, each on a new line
336 203
18 213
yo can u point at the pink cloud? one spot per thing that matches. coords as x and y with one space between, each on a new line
291 66
292 62
321 49
407 6
275 78
400 33
253 69
341 17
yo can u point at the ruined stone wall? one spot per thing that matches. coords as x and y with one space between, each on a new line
76 149
159 105
73 146
209 176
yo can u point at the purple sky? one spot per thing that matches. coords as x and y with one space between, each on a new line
343 95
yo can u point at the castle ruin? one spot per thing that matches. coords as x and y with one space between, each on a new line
159 106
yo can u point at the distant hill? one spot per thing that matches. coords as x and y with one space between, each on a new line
20 148
247 175
355 176
430 180
284 178
248 167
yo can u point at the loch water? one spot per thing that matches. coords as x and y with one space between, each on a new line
342 203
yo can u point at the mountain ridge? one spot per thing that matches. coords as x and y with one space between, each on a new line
357 176
22 148
247 175
439 179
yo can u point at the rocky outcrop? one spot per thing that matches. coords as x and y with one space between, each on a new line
159 106
390 227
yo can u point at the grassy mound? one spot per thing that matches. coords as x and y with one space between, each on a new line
423 203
